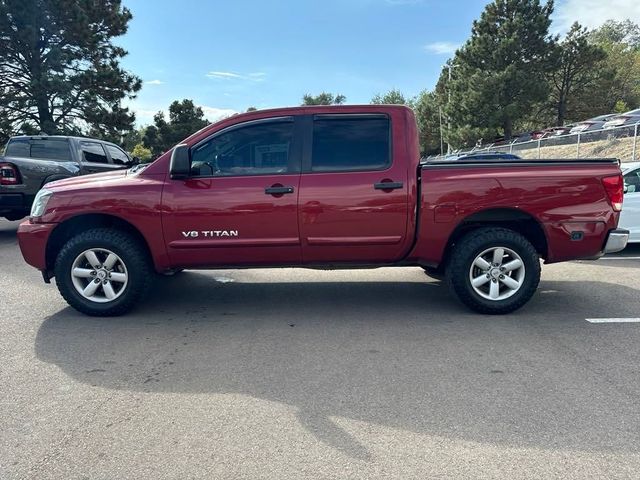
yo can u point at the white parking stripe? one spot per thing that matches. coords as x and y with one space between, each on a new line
613 320
620 258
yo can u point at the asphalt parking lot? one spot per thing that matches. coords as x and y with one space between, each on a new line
311 374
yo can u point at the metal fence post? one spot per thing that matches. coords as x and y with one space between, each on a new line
539 148
578 146
635 142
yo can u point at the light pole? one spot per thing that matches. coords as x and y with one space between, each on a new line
449 67
441 138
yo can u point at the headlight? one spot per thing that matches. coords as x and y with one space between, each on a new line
40 202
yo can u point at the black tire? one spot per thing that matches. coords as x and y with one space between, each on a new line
12 217
435 273
131 252
464 254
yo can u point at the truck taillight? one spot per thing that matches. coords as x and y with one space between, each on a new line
614 186
9 174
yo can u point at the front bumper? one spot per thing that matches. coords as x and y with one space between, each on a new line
616 241
33 238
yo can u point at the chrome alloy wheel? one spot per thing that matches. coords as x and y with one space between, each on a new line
497 273
99 275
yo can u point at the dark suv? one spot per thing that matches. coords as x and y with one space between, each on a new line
30 162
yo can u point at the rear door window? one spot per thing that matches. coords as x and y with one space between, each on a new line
93 152
344 143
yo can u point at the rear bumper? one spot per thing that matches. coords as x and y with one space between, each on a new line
13 202
616 241
33 238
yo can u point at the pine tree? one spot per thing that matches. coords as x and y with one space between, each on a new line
60 71
576 69
185 118
323 98
499 73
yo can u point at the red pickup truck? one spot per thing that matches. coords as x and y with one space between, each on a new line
322 187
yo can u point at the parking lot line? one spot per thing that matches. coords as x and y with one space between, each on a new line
620 258
613 320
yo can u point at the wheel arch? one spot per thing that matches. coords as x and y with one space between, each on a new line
511 218
79 223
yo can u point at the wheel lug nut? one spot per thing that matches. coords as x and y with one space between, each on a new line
494 280
501 276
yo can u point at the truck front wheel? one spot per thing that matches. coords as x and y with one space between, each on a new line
103 272
494 270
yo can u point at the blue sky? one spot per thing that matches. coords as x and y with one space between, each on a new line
228 55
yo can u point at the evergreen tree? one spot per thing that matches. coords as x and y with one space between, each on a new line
498 75
392 97
184 119
576 69
323 98
60 71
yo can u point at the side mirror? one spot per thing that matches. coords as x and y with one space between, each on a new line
180 166
135 161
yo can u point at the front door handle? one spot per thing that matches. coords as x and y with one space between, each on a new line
278 190
388 185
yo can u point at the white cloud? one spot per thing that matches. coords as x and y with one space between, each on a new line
214 114
144 114
442 48
254 76
593 13
154 82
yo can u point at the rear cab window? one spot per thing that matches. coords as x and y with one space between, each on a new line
45 148
347 143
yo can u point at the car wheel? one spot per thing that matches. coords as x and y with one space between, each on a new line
494 270
103 272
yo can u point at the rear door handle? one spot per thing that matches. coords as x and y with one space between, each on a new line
388 185
278 190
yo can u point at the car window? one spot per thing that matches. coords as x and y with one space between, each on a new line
51 148
117 155
18 147
252 150
350 144
93 152
632 181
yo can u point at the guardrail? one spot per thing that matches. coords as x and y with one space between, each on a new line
618 142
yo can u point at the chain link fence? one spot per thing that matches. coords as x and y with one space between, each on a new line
620 142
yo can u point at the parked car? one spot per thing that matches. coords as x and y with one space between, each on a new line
595 123
31 162
322 187
628 118
556 131
630 216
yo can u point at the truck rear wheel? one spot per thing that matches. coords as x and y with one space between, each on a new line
494 270
103 272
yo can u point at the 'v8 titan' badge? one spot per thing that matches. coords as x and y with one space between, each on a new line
210 233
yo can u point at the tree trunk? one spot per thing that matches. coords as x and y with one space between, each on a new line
507 126
45 117
562 111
